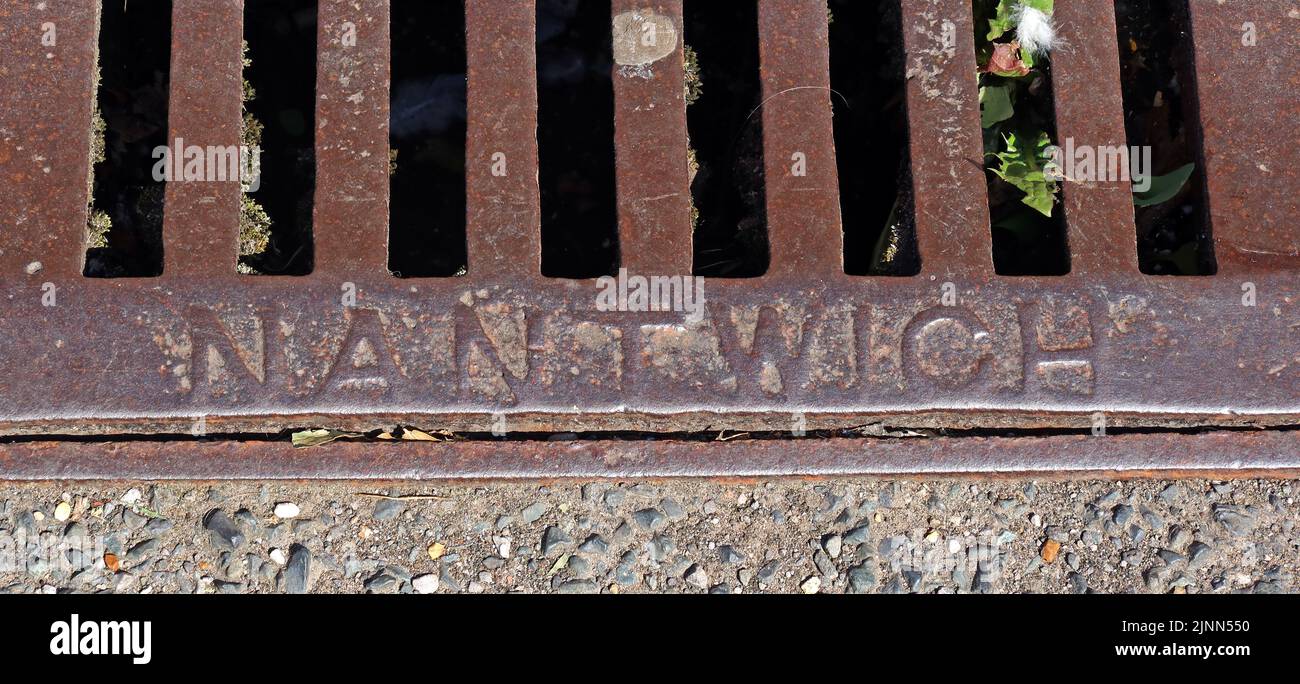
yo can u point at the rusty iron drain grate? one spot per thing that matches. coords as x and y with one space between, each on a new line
504 350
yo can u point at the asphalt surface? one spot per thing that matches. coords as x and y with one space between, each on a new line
784 536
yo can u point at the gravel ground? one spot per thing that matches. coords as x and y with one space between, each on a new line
784 536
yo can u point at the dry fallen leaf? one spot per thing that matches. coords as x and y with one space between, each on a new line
311 438
415 435
111 562
436 550
560 563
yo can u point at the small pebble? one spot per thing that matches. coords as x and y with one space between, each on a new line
425 584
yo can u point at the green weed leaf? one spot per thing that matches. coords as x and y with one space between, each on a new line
995 105
1022 164
1164 188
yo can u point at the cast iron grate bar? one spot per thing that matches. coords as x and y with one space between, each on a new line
803 346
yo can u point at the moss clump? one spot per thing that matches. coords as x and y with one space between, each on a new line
254 227
392 162
694 84
693 169
694 89
254 222
98 222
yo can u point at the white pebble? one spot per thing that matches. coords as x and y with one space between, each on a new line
287 509
812 585
131 496
278 556
425 584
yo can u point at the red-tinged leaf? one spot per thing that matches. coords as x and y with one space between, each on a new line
1006 60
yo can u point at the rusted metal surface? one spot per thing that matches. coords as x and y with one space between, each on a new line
803 347
947 150
1247 77
650 137
350 209
157 357
1218 456
503 212
1090 107
803 208
201 220
45 111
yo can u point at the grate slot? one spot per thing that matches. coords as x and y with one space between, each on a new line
1025 241
351 202
730 213
1173 237
867 75
201 221
503 235
45 138
427 129
124 235
576 137
276 212
949 189
1088 110
803 213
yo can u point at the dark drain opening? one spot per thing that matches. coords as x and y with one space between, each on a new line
867 77
575 131
124 231
1027 241
427 130
726 136
276 218
1155 49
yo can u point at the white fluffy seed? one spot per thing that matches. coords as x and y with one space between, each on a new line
1035 31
